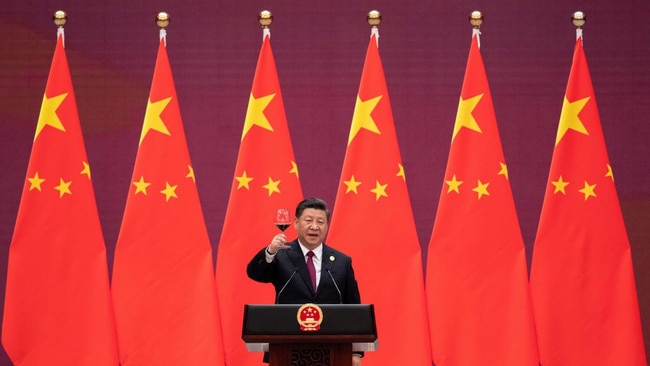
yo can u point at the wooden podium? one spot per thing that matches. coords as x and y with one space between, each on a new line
309 334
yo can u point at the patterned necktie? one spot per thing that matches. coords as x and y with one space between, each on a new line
311 268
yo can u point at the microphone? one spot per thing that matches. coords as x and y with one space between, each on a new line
337 286
277 298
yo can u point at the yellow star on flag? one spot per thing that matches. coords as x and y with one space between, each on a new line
255 114
504 170
190 173
86 169
243 181
35 182
272 186
609 173
588 190
569 119
453 184
560 184
400 172
169 191
351 185
152 119
48 116
379 190
294 169
362 118
464 117
141 186
63 187
481 189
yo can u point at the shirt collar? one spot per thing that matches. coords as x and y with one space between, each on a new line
318 251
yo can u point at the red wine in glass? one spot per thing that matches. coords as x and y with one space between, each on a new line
282 219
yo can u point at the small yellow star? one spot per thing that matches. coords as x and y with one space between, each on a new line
362 117
560 184
48 116
272 186
609 173
35 182
453 184
400 172
481 189
351 185
243 181
190 173
569 119
464 117
152 119
294 169
63 187
379 190
504 170
588 190
255 114
169 191
141 186
86 169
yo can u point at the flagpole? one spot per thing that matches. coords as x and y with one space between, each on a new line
162 21
265 18
374 18
476 19
578 19
60 18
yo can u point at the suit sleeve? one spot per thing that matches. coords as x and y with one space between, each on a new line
259 270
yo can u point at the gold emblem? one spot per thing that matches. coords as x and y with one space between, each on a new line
310 316
332 258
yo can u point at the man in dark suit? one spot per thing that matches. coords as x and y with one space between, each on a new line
287 264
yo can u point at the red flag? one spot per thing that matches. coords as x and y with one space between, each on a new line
163 277
58 307
582 280
265 179
373 222
477 284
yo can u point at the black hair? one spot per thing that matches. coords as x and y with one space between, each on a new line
315 203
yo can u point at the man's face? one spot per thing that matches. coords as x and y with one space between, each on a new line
311 227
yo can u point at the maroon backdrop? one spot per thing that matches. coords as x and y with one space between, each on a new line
319 49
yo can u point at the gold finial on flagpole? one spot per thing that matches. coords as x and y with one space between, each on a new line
265 18
374 18
60 18
476 19
162 20
578 19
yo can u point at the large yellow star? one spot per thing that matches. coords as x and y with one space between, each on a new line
362 118
588 190
294 169
400 172
255 114
63 187
504 170
560 185
152 119
453 184
190 173
272 186
464 116
379 190
351 185
48 116
35 182
86 169
169 191
243 180
141 186
569 119
481 189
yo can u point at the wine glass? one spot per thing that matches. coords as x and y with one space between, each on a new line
282 219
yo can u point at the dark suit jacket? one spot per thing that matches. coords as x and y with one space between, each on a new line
288 274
